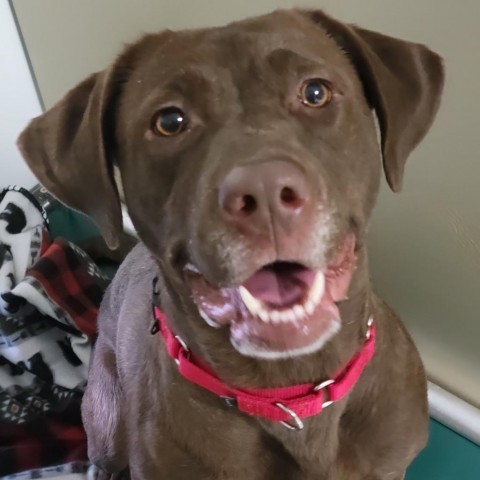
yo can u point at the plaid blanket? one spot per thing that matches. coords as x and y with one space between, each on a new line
50 291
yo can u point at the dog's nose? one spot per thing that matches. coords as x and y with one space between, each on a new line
258 196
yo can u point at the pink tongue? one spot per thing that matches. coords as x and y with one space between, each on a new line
280 284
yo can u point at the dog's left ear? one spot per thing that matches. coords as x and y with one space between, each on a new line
403 82
69 150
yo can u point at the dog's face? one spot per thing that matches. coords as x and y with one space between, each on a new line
250 163
265 161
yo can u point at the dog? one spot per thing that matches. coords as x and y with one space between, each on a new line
242 339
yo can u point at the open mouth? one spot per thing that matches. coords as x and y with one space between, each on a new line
284 309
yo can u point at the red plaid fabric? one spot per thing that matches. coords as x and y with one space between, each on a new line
73 283
54 439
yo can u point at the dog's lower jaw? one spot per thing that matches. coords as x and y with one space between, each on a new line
255 351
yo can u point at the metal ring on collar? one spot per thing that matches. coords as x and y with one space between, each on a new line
184 346
296 424
369 328
321 386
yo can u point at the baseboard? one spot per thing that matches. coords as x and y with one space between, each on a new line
455 413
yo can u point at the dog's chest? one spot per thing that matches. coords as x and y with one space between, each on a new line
218 448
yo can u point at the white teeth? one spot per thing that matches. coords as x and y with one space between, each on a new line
264 315
207 319
253 305
289 316
276 316
317 289
298 312
309 307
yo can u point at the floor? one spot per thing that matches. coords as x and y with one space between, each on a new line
449 456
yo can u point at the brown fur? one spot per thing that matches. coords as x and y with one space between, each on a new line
239 85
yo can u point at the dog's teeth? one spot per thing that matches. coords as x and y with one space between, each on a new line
254 306
309 307
299 312
264 316
317 289
289 316
276 316
208 320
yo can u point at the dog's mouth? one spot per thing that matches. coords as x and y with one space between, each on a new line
284 309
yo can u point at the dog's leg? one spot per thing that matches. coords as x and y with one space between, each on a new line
102 411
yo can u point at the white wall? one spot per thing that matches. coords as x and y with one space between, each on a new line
18 101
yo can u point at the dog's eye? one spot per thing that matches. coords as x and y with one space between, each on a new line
169 121
315 93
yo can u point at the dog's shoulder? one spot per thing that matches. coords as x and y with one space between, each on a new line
132 282
138 262
137 265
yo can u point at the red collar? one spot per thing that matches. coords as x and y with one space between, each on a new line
287 405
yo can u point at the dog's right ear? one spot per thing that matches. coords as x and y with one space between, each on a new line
68 149
403 82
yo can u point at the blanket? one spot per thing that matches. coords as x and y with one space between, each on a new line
50 291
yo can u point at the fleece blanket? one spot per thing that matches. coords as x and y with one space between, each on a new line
50 291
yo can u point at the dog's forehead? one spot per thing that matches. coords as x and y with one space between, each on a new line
279 30
242 43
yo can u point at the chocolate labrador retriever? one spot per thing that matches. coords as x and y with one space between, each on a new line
241 339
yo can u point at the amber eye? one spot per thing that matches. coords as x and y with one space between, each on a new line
315 93
169 121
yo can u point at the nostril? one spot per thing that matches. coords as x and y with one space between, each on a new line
249 204
289 198
287 195
239 206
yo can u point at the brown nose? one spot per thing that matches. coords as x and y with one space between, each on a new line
260 196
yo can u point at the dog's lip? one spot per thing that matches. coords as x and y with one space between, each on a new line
275 329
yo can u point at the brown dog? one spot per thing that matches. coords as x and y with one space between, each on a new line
250 166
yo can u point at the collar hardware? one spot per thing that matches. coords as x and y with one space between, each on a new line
322 386
295 423
369 328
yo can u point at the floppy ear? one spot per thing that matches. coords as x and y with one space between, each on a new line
68 149
403 82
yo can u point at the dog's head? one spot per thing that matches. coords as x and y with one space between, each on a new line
250 163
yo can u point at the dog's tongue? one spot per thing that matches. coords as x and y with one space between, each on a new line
280 284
